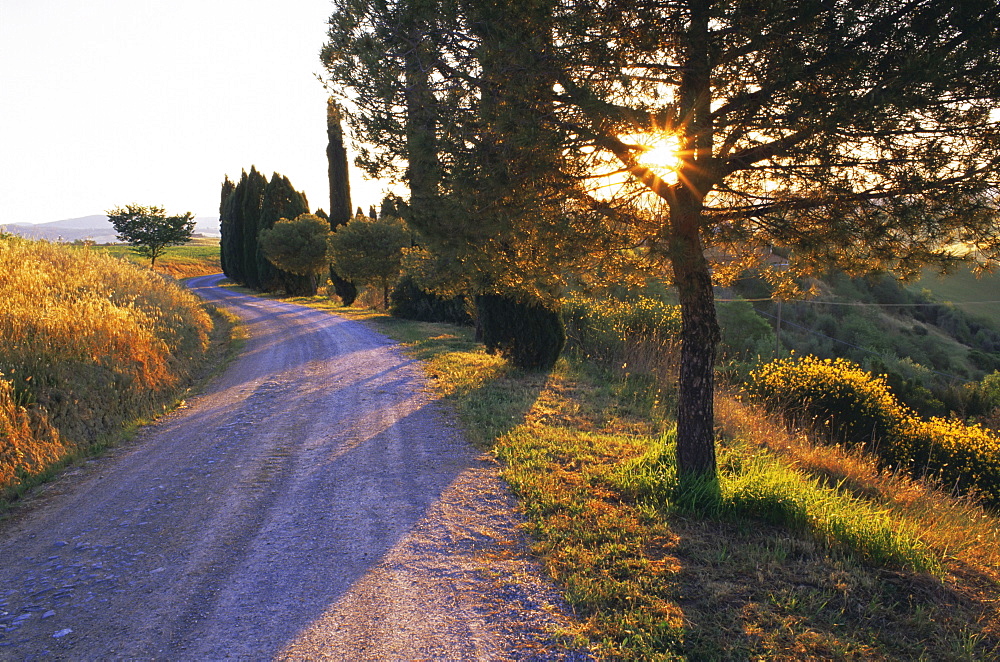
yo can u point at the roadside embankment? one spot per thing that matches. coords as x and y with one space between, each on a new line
91 344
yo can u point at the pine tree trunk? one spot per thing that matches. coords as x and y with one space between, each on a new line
699 342
696 464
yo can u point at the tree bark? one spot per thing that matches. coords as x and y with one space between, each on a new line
699 342
700 335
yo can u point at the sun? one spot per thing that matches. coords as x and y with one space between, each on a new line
660 154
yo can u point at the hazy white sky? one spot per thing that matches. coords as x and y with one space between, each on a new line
107 102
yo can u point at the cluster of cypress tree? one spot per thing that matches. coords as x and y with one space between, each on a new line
247 207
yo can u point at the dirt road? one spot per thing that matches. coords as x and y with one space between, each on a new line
314 503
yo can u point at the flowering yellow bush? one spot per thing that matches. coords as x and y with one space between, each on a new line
854 406
89 341
960 456
858 408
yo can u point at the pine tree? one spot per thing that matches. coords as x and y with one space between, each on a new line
856 134
370 251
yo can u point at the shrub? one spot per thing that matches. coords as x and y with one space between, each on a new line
526 333
858 409
409 301
962 457
640 335
854 407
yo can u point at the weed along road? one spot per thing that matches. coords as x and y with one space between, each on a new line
315 502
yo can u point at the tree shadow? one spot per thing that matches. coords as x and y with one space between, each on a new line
750 590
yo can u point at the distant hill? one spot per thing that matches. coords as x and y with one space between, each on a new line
96 228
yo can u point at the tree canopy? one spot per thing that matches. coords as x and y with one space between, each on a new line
859 134
368 250
149 230
298 245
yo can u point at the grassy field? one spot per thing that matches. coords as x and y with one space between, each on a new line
199 257
811 553
978 296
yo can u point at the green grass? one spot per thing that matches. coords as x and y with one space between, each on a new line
807 554
756 484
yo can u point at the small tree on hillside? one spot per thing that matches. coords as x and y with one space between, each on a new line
367 250
299 245
149 231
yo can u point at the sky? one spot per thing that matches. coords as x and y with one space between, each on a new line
109 102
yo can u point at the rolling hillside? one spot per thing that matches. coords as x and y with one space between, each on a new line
94 228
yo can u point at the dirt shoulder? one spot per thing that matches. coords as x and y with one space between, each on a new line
315 502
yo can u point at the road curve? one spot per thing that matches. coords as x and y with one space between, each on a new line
314 503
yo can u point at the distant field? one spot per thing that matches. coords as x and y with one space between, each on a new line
967 292
196 258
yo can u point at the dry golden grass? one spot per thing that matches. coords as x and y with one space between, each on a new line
28 443
90 342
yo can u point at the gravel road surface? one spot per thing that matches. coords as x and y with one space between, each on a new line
314 503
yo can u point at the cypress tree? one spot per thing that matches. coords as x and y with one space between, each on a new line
336 155
232 228
391 206
251 205
281 200
227 190
340 191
